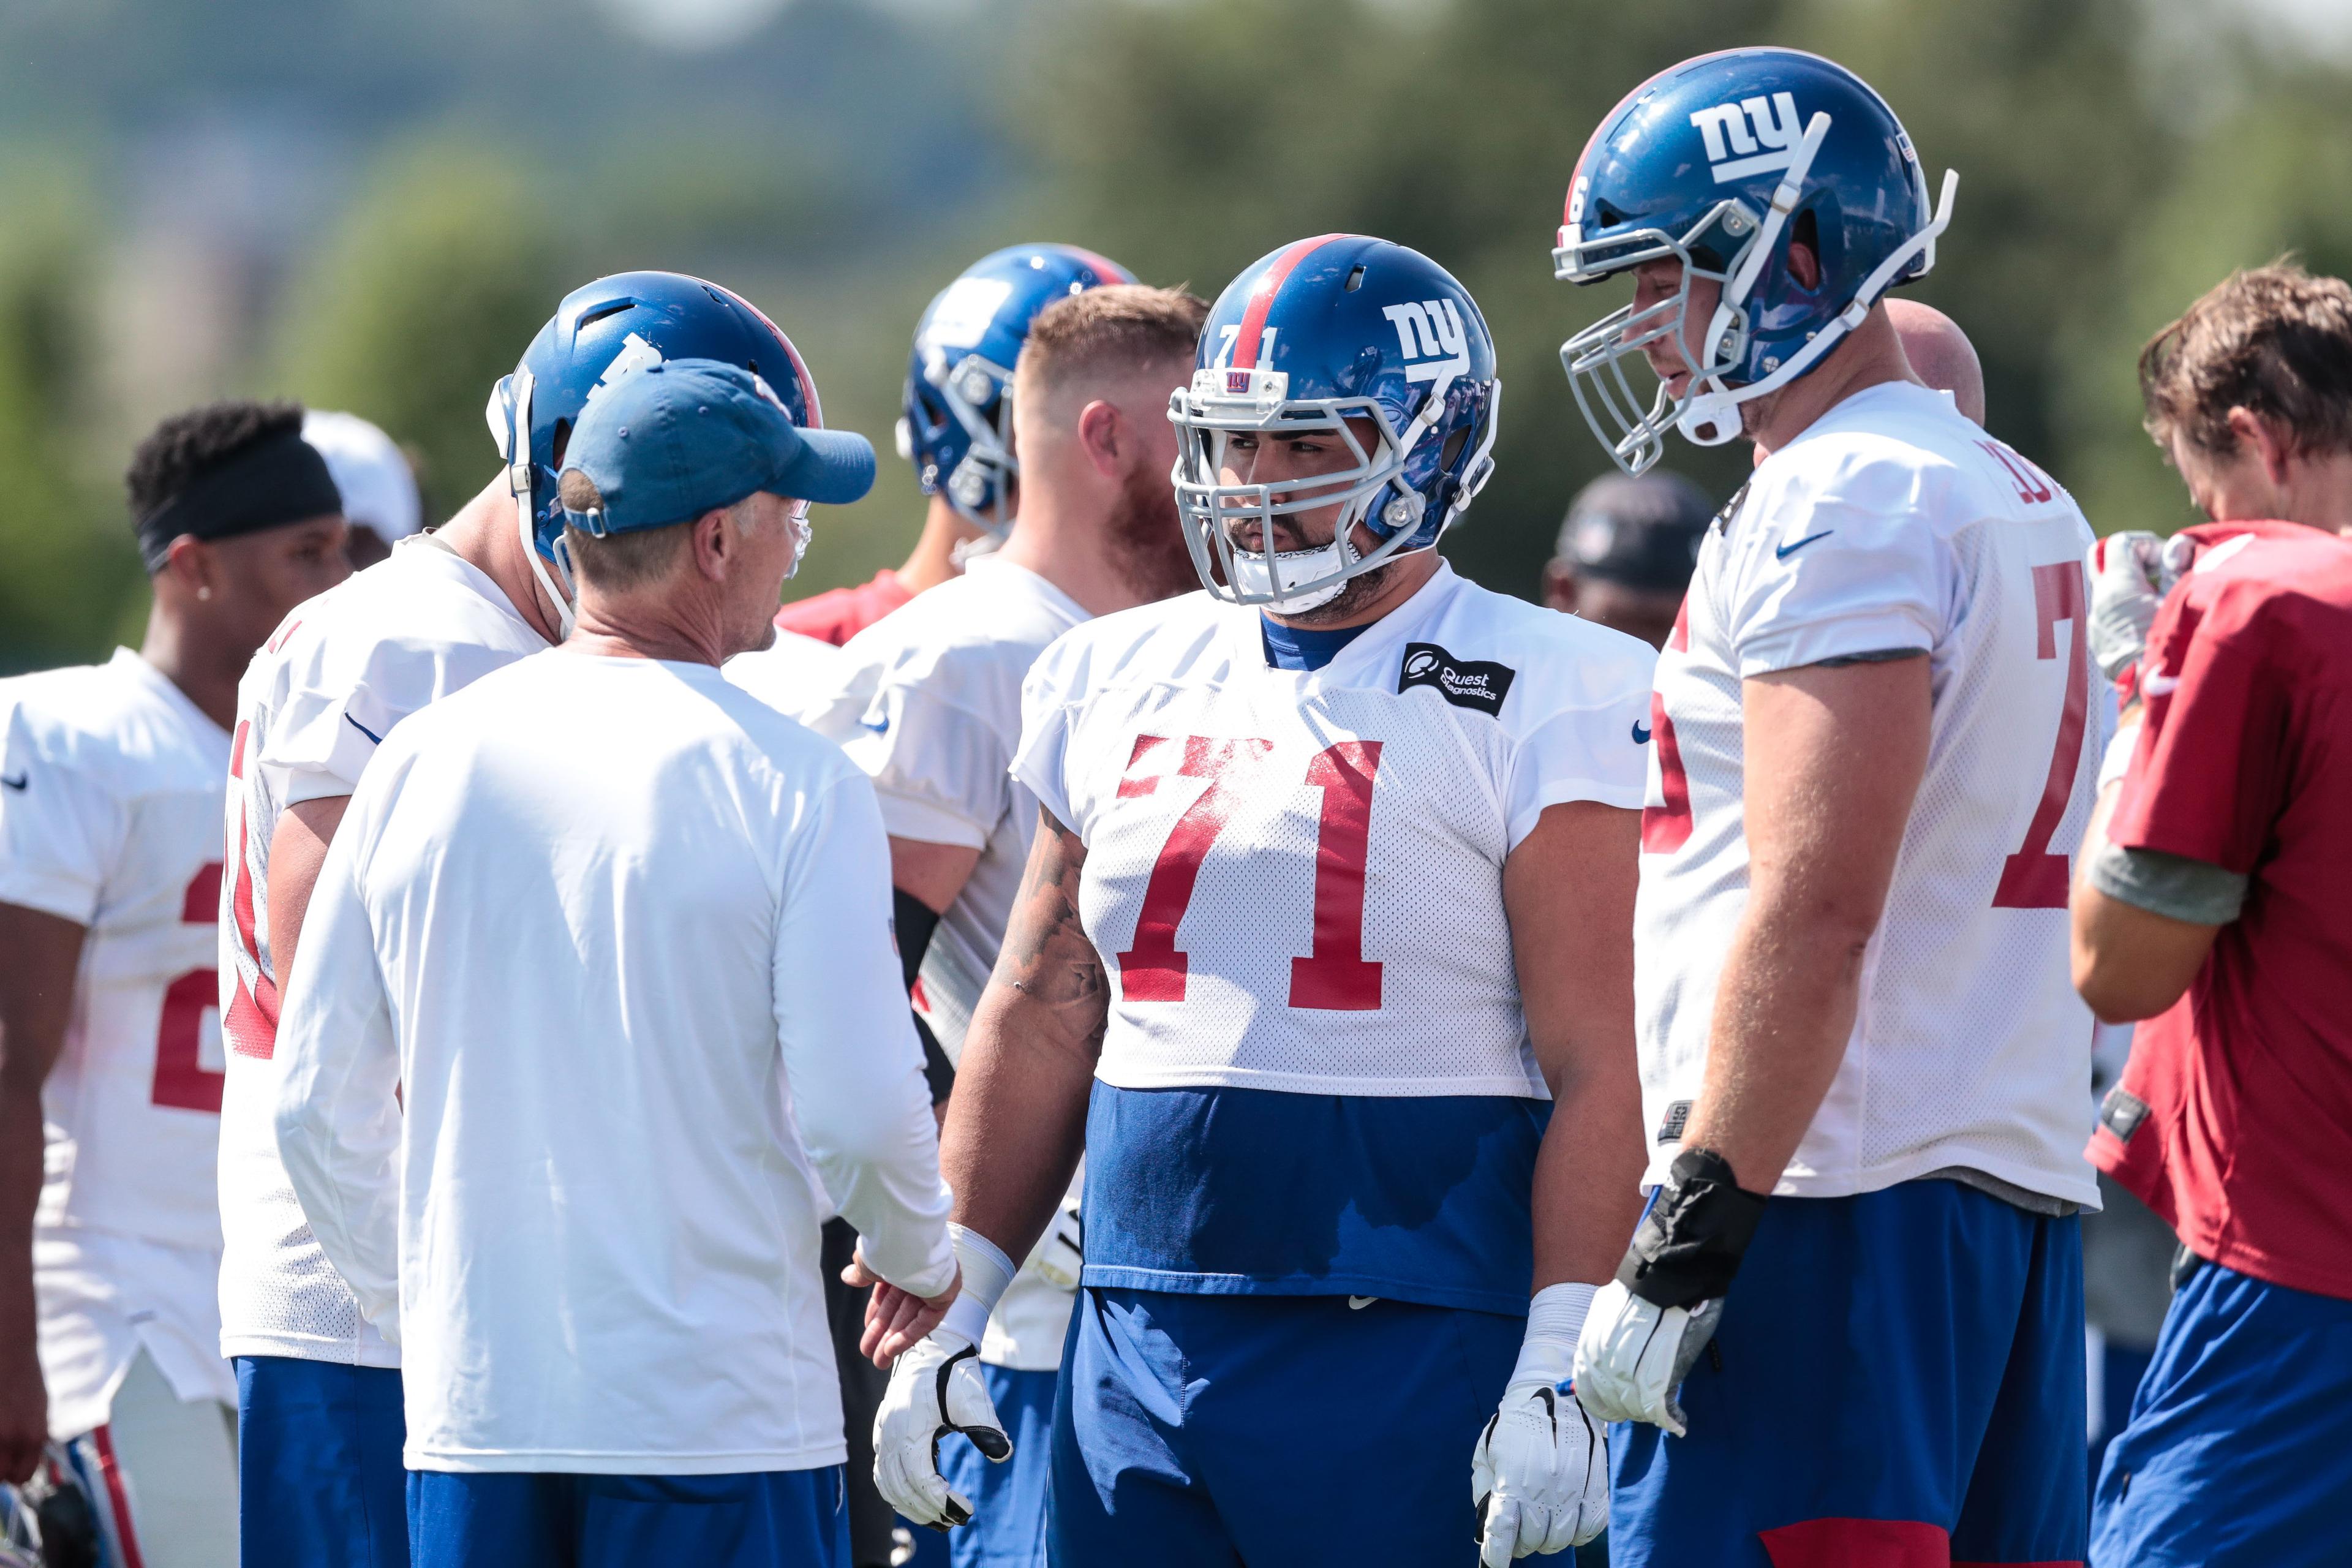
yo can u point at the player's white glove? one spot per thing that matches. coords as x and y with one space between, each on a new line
2131 571
1539 1474
1647 1327
936 1389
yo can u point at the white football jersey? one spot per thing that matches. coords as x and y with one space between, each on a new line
929 704
109 799
793 675
1893 523
1296 877
327 686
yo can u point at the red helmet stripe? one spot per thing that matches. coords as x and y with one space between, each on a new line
1108 271
1269 284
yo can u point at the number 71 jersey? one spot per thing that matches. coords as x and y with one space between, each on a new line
1295 877
1893 525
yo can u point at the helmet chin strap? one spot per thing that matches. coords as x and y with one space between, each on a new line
518 455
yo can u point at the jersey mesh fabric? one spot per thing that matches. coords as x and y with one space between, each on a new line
1132 720
1893 523
930 710
329 685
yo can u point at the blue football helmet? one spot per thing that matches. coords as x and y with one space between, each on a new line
1716 163
956 415
1339 326
600 332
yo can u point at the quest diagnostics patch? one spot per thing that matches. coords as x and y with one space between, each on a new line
1477 684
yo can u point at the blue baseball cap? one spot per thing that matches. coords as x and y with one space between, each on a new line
668 441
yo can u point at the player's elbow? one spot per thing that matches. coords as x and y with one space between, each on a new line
2131 964
2120 992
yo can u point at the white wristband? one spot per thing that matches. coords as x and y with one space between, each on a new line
986 1272
1555 1319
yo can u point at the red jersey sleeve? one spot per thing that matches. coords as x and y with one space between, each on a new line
2207 778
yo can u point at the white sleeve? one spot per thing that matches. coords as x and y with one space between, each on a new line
338 1106
938 768
60 829
326 731
1833 581
1595 752
1046 715
851 1061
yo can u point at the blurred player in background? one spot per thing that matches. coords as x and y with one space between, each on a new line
930 710
1626 551
319 1387
1941 355
2211 902
1328 918
380 505
593 1215
955 425
1863 1065
110 1030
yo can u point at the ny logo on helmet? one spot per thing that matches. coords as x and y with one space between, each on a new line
1772 145
1430 331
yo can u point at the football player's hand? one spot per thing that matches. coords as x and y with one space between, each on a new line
1647 1326
1634 1354
935 1389
2131 571
894 1318
24 1410
1539 1474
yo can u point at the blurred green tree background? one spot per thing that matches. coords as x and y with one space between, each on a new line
374 208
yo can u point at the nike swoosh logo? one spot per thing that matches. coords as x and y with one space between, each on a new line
19 782
2149 686
1357 1304
878 729
364 730
1785 550
1641 733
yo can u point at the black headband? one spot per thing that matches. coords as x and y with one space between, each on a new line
275 481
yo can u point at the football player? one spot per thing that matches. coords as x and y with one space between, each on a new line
110 1027
1626 553
319 1390
2211 903
930 708
1328 917
955 425
1855 1301
381 506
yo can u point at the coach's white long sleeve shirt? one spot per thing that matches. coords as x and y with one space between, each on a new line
620 934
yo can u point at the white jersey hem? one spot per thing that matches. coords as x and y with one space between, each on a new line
1923 1163
291 1347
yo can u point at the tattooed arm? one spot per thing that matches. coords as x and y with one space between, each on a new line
1017 1121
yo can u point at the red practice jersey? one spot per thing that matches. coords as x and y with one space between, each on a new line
2234 1117
839 614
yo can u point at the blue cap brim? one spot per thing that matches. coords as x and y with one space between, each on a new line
832 468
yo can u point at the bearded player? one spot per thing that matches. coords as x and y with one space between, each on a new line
955 425
1326 923
110 1030
1850 1326
932 709
320 1425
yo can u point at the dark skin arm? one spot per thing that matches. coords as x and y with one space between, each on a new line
1017 1122
37 987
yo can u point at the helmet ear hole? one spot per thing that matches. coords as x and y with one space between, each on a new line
1450 453
1806 232
562 439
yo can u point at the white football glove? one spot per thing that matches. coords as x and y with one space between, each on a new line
1634 1355
1539 1474
935 1389
2131 571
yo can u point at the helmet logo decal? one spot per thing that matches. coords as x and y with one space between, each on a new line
1725 130
965 312
1432 332
636 355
